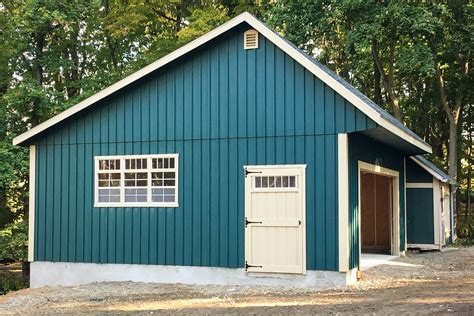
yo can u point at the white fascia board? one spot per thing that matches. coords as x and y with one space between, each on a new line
270 35
429 170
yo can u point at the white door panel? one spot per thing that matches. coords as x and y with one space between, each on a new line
274 214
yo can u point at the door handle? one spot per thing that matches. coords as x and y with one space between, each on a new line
250 222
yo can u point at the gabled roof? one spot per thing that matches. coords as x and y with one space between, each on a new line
356 98
432 169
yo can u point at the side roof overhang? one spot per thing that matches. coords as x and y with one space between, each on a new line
432 169
395 128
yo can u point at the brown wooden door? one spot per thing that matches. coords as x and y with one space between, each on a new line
376 220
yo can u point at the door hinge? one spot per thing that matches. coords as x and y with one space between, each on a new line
247 266
250 222
299 222
247 172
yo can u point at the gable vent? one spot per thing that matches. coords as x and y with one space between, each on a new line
250 39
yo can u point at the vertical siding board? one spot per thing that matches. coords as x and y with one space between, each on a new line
261 105
215 196
350 117
320 225
289 96
136 235
196 203
206 187
188 102
145 112
187 192
280 93
361 120
329 110
170 105
270 89
310 201
242 161
241 91
251 93
319 106
205 111
340 114
57 192
85 173
233 86
214 102
121 118
331 205
153 97
299 96
233 220
161 110
223 203
223 87
179 110
179 212
49 203
74 224
196 98
64 183
309 103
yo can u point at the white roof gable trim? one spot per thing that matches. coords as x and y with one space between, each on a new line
431 169
270 35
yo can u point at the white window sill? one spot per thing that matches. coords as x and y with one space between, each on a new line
125 205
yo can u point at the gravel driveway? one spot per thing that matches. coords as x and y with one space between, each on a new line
431 282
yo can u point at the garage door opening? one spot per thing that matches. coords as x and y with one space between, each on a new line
376 213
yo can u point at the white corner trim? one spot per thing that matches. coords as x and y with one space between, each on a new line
437 212
270 35
31 206
405 200
69 273
419 185
343 201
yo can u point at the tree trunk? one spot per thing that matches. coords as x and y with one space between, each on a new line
377 77
388 78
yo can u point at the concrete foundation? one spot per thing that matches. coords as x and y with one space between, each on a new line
67 274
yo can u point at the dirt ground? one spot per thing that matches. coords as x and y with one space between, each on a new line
425 283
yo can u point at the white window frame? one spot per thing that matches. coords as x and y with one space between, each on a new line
149 170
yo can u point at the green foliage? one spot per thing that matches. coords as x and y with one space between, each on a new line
14 241
11 281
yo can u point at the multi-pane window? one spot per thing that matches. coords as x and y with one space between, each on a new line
145 180
263 182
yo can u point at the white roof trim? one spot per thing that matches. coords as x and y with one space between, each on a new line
429 170
270 35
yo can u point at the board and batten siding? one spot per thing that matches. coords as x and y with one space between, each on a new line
362 148
220 108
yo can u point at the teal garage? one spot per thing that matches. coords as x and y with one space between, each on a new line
236 159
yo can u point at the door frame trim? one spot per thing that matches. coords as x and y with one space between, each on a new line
395 229
302 168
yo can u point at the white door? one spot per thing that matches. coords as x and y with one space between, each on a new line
275 219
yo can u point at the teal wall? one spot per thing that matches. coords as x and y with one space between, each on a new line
367 150
420 220
220 108
415 173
